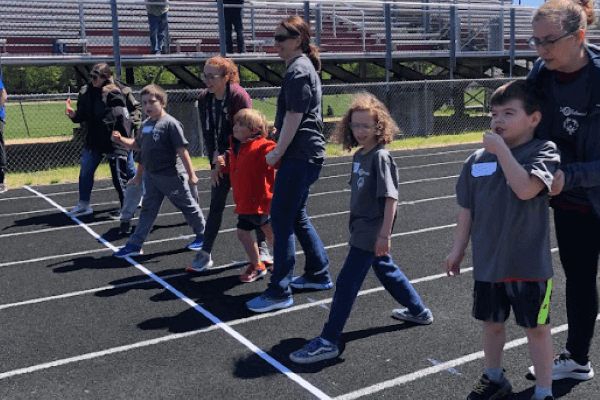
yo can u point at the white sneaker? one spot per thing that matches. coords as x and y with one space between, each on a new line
80 210
564 367
201 262
3 187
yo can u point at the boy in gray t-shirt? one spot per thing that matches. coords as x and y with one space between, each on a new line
168 170
502 194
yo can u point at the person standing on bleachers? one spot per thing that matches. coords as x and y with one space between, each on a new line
233 18
3 97
158 19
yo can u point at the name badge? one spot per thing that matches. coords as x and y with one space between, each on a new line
147 129
355 167
483 169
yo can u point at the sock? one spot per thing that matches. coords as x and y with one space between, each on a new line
542 392
494 374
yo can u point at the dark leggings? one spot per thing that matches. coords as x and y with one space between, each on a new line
118 171
578 236
218 199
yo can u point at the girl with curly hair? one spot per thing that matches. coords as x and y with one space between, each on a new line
373 201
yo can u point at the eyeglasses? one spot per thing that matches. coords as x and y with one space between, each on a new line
209 77
283 38
534 42
96 75
356 127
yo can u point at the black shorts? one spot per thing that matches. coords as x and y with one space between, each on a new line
250 222
530 302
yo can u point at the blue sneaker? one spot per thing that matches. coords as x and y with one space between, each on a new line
318 349
264 303
129 250
196 245
300 282
424 318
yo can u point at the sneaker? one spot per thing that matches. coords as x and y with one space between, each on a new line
424 318
264 303
300 282
115 214
565 367
202 262
488 390
265 257
125 227
253 272
196 245
129 250
318 349
80 210
3 187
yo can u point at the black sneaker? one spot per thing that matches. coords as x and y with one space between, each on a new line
125 227
488 390
115 214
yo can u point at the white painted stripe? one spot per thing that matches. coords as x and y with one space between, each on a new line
404 379
284 370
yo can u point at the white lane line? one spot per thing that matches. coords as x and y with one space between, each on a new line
150 242
259 352
404 379
439 153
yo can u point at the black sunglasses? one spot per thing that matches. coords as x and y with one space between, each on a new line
283 38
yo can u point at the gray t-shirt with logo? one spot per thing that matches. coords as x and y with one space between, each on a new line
159 142
374 177
510 237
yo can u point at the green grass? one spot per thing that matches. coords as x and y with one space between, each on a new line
70 174
42 119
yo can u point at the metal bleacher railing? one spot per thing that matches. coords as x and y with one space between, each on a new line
81 30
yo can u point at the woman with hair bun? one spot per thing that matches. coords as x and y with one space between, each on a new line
568 75
301 150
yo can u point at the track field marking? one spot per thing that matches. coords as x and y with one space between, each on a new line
226 328
404 379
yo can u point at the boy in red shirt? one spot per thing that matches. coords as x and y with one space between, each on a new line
252 180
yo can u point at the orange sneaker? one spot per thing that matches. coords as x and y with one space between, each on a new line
253 272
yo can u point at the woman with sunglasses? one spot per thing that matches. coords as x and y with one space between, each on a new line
301 150
217 105
568 75
91 111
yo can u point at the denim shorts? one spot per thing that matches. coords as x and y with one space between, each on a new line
250 222
530 302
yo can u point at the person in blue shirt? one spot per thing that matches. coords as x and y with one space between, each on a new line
3 97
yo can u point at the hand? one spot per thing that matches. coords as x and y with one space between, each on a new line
558 183
116 137
383 246
493 142
136 180
69 111
220 161
273 157
452 263
215 177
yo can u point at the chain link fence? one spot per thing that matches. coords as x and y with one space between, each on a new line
39 136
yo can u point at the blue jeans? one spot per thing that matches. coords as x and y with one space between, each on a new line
289 217
90 159
351 279
159 32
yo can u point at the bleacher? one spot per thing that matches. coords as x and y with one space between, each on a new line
85 27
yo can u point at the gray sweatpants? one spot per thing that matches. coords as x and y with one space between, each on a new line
177 190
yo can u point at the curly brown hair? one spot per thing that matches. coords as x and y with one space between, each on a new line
227 68
386 127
